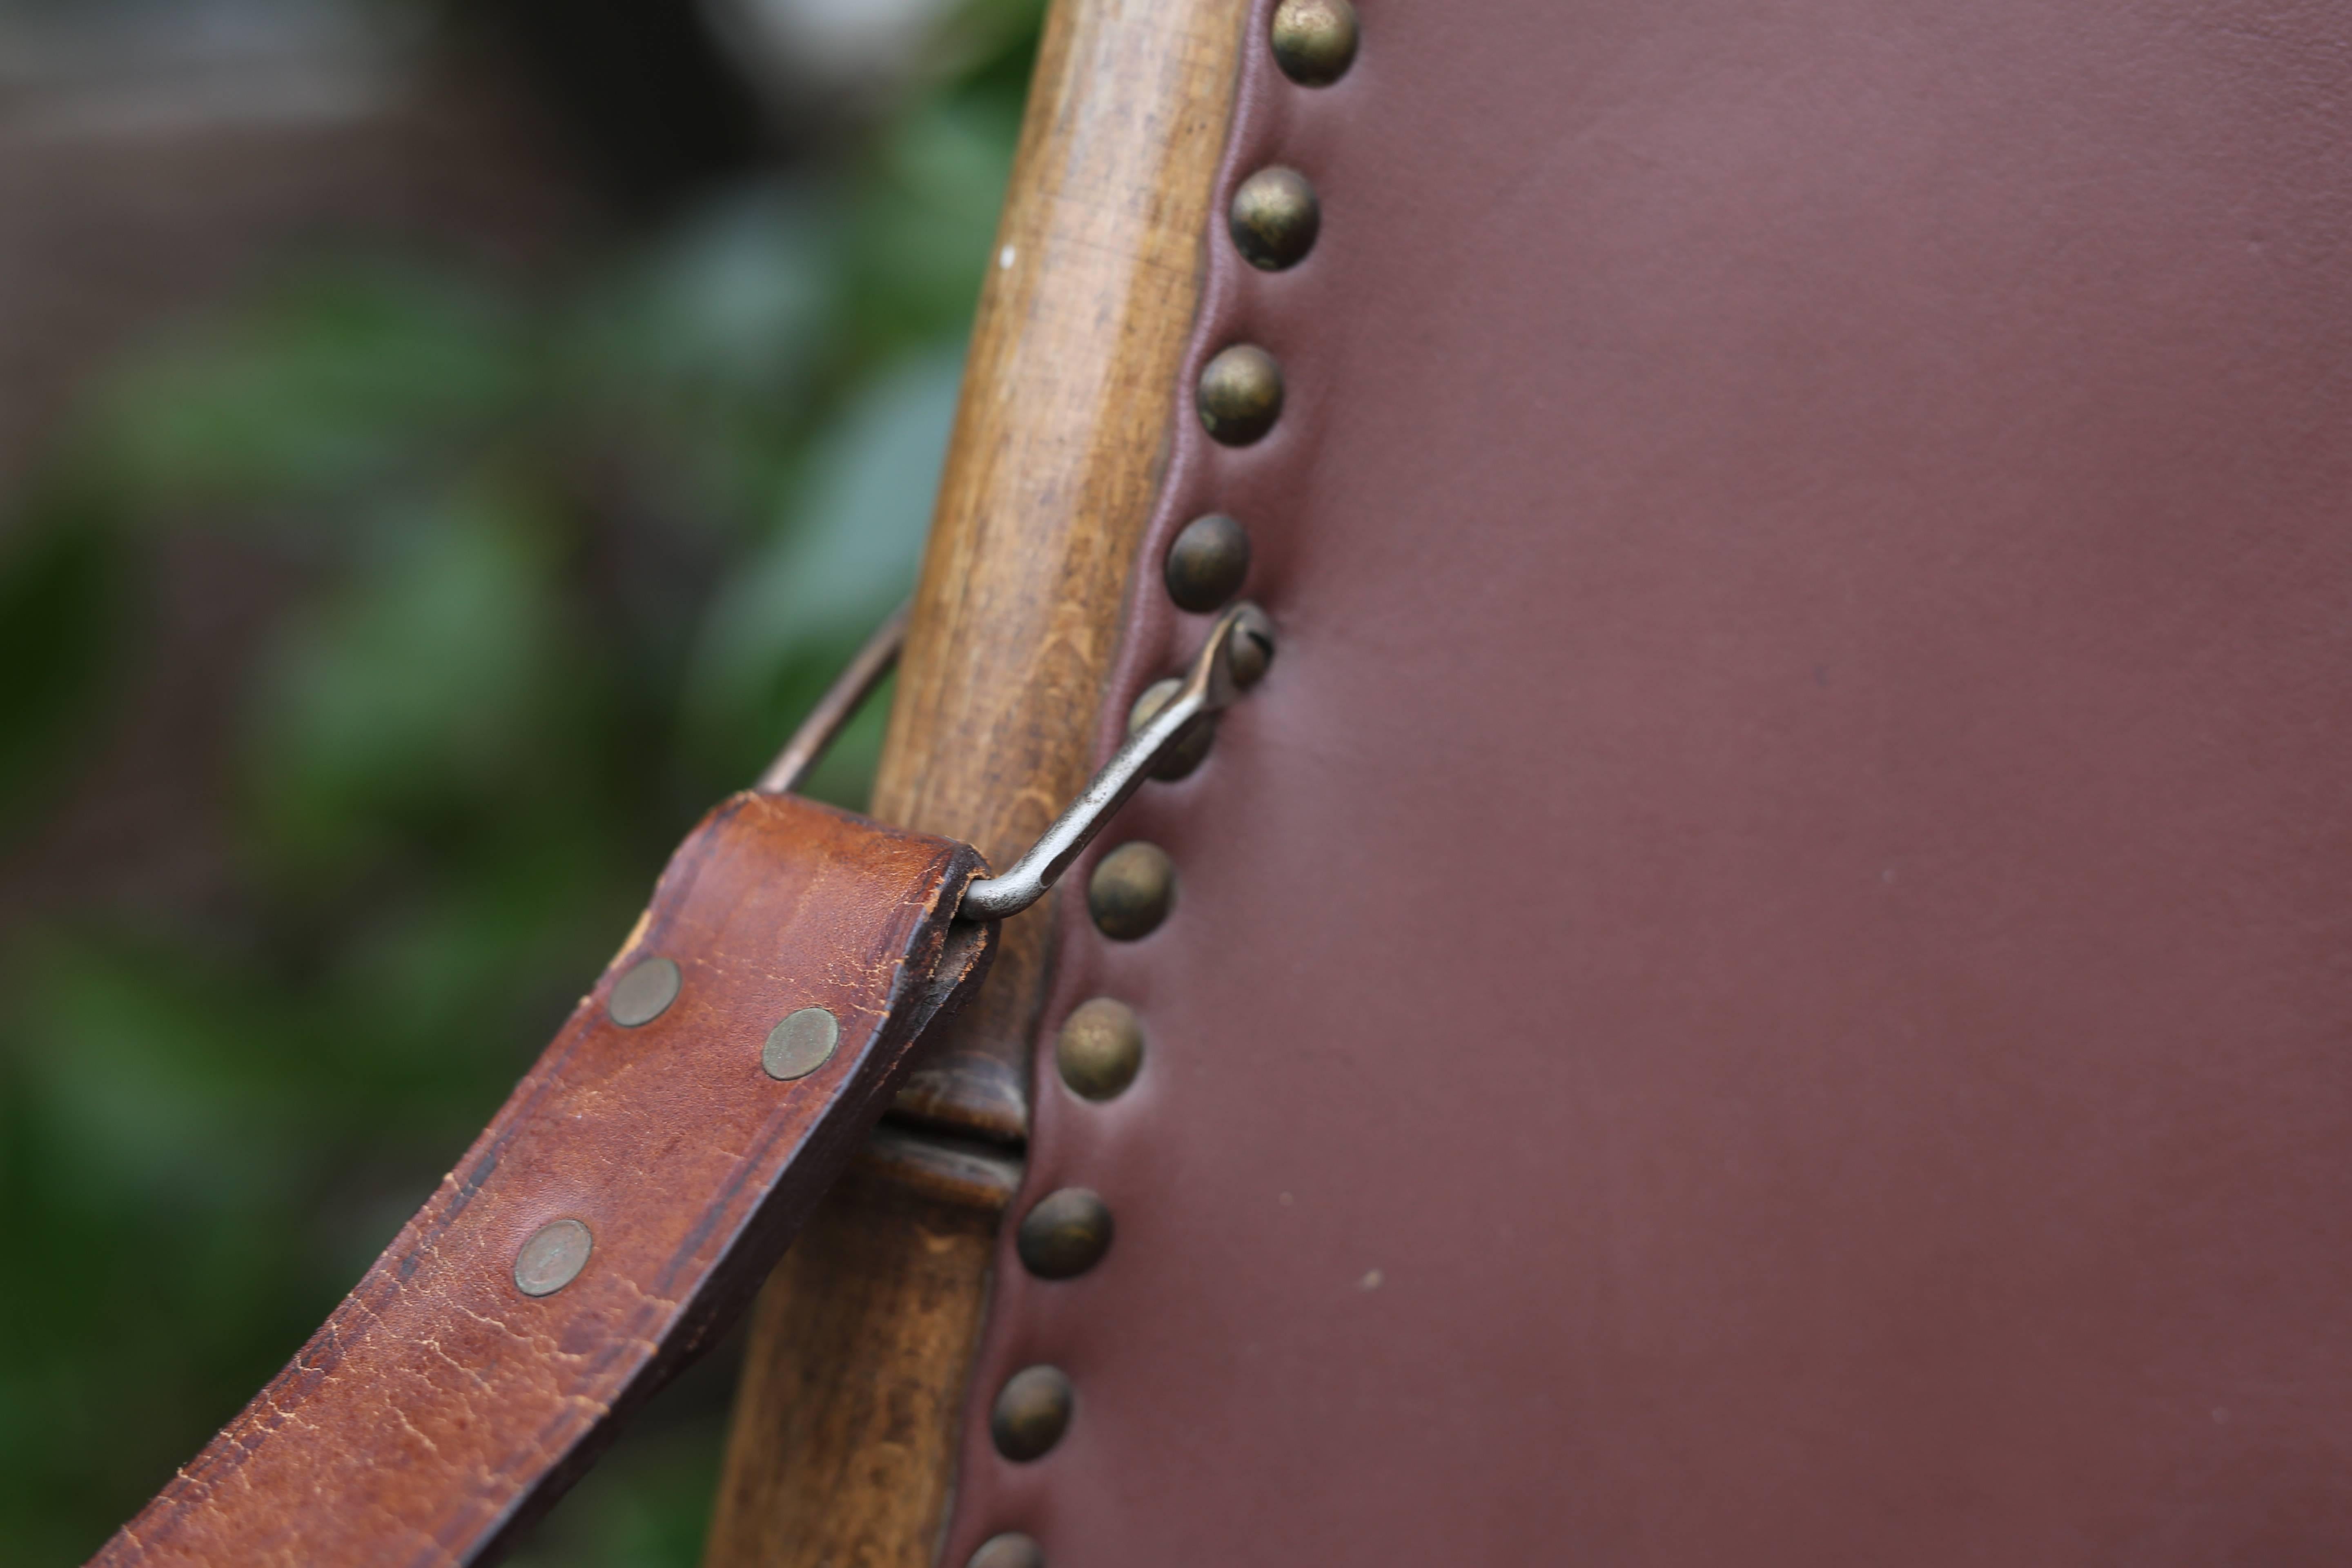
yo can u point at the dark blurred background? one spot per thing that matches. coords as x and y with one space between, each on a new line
443 448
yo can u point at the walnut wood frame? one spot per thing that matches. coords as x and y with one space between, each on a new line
843 1447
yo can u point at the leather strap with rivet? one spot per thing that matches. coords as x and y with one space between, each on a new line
644 1176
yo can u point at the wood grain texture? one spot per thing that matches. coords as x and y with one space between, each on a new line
844 1436
882 1280
441 1409
1059 445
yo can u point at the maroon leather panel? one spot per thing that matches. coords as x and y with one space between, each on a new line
1768 978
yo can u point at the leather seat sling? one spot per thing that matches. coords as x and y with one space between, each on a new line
1766 981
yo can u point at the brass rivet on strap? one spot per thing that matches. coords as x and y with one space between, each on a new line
1207 564
1100 1048
1012 1549
1274 218
552 1257
1131 891
1240 396
1192 747
1065 1235
1032 1412
1314 40
644 993
801 1044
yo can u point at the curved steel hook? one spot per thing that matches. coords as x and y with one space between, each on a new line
1240 646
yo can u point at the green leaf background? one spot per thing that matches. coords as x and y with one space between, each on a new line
566 564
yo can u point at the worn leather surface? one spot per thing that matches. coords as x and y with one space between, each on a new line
439 1408
1768 978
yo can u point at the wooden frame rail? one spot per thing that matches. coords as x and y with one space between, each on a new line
843 1448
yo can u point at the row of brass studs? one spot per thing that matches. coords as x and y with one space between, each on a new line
1273 219
1098 1053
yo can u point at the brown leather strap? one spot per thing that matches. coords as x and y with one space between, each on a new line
442 1407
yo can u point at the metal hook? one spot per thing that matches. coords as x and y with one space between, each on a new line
1240 646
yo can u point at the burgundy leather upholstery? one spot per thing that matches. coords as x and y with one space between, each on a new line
1768 978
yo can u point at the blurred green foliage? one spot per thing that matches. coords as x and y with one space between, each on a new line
560 566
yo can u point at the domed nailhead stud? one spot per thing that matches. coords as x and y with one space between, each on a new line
1032 1412
1252 653
1194 740
1240 396
1099 1049
1131 891
1207 564
1274 218
1314 40
1065 1235
1012 1549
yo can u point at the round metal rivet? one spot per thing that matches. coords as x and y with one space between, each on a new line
801 1044
1252 652
1193 741
1100 1048
1314 40
1208 563
1032 1412
1240 396
1012 1549
1065 1235
1274 218
1131 891
644 993
552 1257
